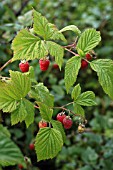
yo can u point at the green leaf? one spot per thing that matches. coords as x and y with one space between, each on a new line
28 46
76 91
89 39
58 126
24 111
71 71
43 95
45 111
32 74
12 91
48 143
104 69
86 99
78 109
10 154
57 51
71 28
41 26
4 130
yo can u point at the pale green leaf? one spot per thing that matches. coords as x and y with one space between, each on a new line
10 154
104 69
45 111
48 143
71 71
89 39
76 92
71 28
57 51
42 94
86 99
28 46
58 126
78 109
32 74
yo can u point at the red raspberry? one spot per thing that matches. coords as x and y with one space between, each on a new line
31 146
61 116
67 122
42 124
24 66
84 64
55 66
88 56
44 64
20 166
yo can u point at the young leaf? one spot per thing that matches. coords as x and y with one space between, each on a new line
86 99
48 143
89 39
43 95
41 26
71 28
45 111
58 126
10 154
13 90
57 51
78 109
28 46
71 71
104 69
76 92
24 111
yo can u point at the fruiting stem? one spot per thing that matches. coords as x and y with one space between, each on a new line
75 54
8 62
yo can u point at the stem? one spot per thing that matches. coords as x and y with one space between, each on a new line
8 62
75 54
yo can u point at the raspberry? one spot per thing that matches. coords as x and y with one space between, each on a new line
88 56
42 124
20 166
84 64
44 64
67 122
61 116
55 66
31 146
24 66
81 128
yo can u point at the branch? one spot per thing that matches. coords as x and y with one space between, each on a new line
8 62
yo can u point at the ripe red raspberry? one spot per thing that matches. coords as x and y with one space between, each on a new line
31 146
84 64
42 124
61 116
88 56
20 166
44 64
55 66
67 122
24 66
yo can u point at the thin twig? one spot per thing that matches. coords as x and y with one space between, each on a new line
8 62
71 52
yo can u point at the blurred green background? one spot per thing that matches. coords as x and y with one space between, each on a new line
92 150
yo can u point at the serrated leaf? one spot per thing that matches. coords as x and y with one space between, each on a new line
104 69
76 91
14 90
28 46
24 111
89 39
41 26
48 143
57 51
10 154
78 109
45 111
58 126
43 95
86 99
71 71
71 28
